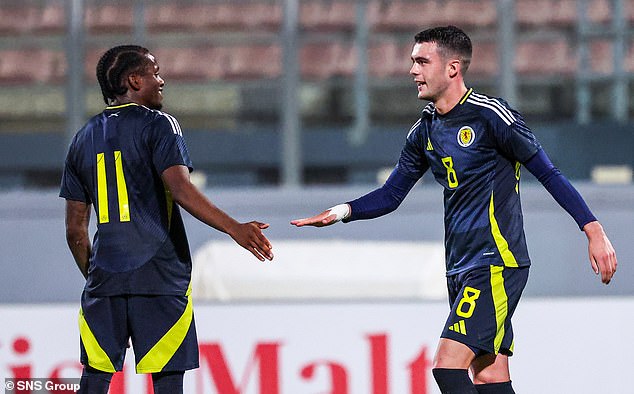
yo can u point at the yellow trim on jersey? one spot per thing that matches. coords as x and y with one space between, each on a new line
170 206
121 106
122 189
500 241
102 189
97 357
466 95
162 352
500 301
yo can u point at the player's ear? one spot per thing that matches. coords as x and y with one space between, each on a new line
134 81
453 68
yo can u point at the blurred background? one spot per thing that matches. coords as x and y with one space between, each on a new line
289 107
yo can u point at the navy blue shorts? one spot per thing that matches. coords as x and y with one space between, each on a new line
482 303
161 329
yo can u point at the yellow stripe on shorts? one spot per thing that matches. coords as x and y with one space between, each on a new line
160 354
97 357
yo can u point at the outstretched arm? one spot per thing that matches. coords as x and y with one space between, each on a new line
372 205
248 235
601 253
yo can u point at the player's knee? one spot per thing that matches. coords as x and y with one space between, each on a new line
495 388
490 369
453 381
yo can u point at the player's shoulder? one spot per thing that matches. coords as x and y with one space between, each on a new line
157 119
428 111
84 134
492 108
425 116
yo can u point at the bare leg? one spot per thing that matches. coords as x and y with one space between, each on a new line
491 374
451 365
490 369
453 355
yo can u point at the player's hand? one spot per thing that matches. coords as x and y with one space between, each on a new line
250 236
323 219
326 218
600 250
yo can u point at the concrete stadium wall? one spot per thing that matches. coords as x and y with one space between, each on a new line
37 267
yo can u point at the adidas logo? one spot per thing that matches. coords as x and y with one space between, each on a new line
429 146
459 327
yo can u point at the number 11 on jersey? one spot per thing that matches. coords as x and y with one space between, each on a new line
102 189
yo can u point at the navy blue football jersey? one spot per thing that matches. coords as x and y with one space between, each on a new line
475 152
115 163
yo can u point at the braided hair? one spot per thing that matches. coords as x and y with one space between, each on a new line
115 65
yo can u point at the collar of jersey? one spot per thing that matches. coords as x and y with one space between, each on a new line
466 95
456 108
121 106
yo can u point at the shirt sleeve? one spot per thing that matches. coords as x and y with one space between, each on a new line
167 144
71 186
560 188
412 161
382 200
411 166
513 137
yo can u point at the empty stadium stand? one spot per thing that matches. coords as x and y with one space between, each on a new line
223 59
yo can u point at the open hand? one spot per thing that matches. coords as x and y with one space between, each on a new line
325 218
250 236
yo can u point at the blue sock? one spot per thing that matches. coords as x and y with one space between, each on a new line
454 381
495 388
94 381
168 382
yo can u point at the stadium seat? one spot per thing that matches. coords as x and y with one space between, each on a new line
322 60
188 64
327 15
227 16
545 57
19 18
388 59
260 16
564 13
30 66
50 19
412 16
600 11
91 58
629 57
544 13
109 18
485 62
248 62
601 56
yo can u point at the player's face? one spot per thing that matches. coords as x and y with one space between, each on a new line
151 91
429 71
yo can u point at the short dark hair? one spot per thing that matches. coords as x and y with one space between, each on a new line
115 65
450 40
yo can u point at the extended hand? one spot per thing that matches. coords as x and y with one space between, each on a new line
250 236
326 218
